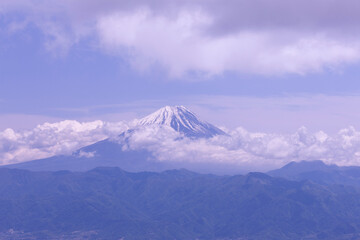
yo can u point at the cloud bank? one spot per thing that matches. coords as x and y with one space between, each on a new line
51 139
206 37
240 148
250 149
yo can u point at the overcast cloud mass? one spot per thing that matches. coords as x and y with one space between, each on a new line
206 37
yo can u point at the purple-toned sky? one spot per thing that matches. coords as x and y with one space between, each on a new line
265 66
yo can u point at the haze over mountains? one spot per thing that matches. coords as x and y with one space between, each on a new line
174 121
319 172
280 80
173 137
109 203
116 190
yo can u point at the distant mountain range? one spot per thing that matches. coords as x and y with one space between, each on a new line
109 203
111 152
146 200
319 172
301 201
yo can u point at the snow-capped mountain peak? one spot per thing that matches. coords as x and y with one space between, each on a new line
181 120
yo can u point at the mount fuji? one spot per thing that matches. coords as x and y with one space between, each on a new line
114 152
181 120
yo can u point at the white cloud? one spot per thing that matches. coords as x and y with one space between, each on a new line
241 148
198 36
51 139
86 154
256 151
182 45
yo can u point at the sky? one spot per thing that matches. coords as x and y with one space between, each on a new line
264 66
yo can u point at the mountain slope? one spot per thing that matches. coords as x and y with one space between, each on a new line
178 204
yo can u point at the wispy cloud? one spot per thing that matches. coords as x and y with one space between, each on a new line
279 114
283 114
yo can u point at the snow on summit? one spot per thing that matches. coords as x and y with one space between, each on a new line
181 120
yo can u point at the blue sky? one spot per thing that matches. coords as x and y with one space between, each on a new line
75 63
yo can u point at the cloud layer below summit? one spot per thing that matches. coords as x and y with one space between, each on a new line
51 139
253 150
203 37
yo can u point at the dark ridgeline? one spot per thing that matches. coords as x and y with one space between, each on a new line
109 203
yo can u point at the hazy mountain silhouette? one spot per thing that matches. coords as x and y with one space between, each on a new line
319 172
109 203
